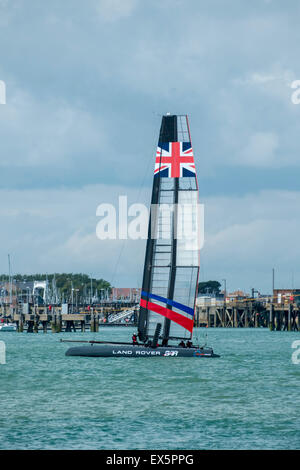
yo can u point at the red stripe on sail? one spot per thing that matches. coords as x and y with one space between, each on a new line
183 321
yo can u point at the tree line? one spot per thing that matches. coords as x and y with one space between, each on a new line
64 281
84 283
209 287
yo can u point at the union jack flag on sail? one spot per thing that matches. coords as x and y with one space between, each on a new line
175 160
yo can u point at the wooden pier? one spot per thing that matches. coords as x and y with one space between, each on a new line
42 319
278 317
33 323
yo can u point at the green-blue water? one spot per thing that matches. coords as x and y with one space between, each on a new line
247 399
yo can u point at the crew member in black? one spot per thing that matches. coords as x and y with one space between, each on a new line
134 339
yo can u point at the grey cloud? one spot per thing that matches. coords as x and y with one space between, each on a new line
86 85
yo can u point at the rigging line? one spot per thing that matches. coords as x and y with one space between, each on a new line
138 200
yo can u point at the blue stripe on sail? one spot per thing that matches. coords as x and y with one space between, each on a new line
175 304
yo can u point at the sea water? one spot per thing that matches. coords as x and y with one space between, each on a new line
246 399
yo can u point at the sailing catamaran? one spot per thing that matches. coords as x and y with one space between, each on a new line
171 266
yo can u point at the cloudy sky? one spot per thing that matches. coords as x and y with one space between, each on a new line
86 85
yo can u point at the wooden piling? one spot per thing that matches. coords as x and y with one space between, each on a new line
235 323
36 324
278 320
94 323
271 318
68 328
59 323
21 324
56 323
246 316
207 316
53 324
289 322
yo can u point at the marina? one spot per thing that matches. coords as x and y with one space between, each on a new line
276 317
39 319
246 314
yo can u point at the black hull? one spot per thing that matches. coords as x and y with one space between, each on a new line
110 350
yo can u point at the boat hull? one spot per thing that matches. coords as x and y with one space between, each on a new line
110 350
8 328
